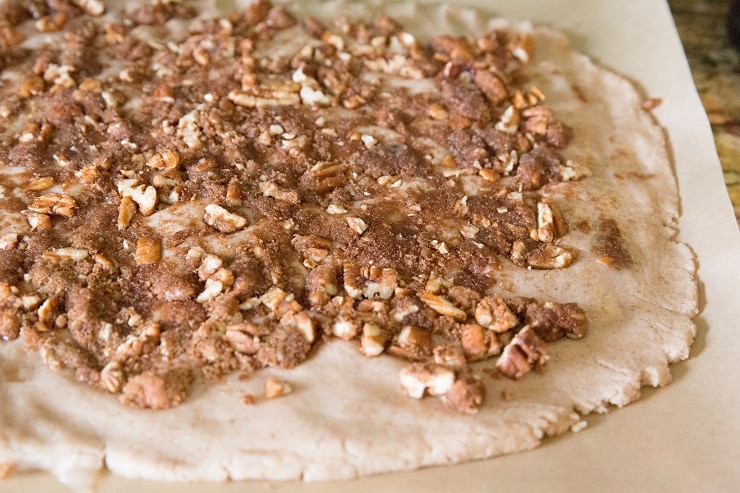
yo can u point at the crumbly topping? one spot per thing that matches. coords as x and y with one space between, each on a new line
226 200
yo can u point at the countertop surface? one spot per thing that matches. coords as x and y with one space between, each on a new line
715 65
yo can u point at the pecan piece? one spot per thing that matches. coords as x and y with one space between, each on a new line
551 256
493 313
465 395
148 250
478 343
276 387
223 220
524 352
431 378
321 285
372 341
553 321
443 306
242 337
412 343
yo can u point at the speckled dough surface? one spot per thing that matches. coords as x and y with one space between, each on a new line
340 423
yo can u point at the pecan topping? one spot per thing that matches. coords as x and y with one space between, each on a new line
202 204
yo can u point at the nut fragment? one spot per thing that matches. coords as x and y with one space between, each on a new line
546 229
352 281
167 160
345 328
126 212
449 356
509 122
372 341
321 285
92 7
478 343
54 203
493 313
66 253
241 337
466 395
381 283
412 343
41 183
223 220
148 250
276 387
551 257
443 306
144 196
521 354
48 312
112 377
357 225
270 189
38 222
431 378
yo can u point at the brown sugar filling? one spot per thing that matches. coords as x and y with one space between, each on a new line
229 199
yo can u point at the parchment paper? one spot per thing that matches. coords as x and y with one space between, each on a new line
680 438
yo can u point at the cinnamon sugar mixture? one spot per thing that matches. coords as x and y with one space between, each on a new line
185 196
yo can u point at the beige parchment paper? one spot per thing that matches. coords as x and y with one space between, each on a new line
680 438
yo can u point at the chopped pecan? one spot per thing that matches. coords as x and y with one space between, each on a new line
321 285
242 337
167 161
443 306
270 189
551 256
466 395
412 343
491 85
381 282
352 281
345 328
478 343
276 387
431 378
144 196
148 250
449 356
112 377
521 354
372 341
553 321
223 220
493 313
53 203
357 225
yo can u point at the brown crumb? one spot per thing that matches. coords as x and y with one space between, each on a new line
507 395
248 399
